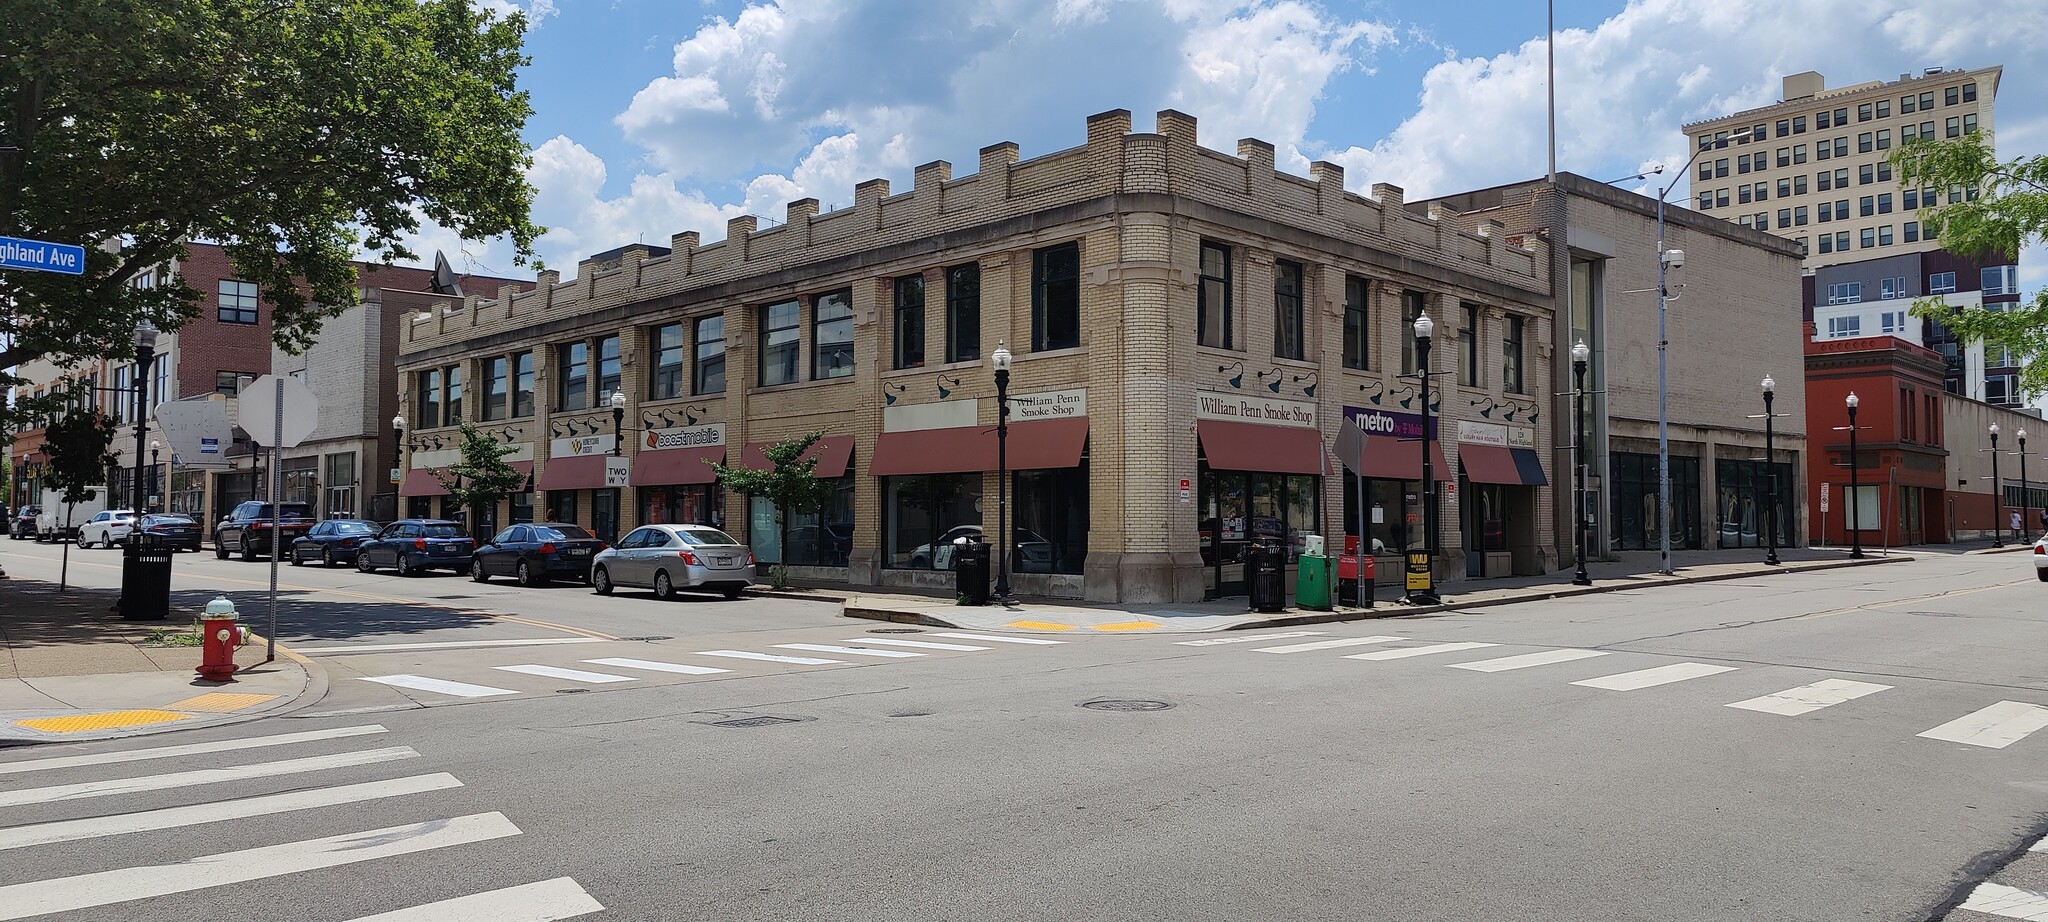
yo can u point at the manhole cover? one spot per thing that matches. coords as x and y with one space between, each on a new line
756 721
649 637
896 630
1121 704
570 691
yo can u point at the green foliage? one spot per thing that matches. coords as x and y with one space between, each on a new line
294 133
2010 211
790 482
80 446
483 478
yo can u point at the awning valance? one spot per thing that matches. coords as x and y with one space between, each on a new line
674 467
833 452
1035 445
1233 446
574 472
1394 459
422 482
1500 464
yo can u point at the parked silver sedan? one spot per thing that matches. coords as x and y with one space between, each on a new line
666 558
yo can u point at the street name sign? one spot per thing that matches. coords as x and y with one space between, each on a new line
41 256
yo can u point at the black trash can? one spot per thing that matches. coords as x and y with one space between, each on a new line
971 569
1265 566
146 580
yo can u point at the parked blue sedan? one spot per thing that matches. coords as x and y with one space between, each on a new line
412 545
536 553
333 542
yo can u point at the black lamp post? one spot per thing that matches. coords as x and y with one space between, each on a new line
1771 474
1855 485
618 403
1997 495
1425 328
1000 361
145 353
1580 355
397 463
155 490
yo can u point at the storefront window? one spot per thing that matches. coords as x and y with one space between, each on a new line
522 508
1051 514
1743 501
1634 499
686 504
604 514
301 480
188 493
1241 507
922 514
820 537
1393 514
341 485
562 506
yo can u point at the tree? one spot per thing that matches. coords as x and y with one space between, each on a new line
789 483
482 479
294 133
2008 211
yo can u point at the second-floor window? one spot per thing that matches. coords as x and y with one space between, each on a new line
522 385
427 409
781 342
1468 347
1056 297
1287 320
963 313
237 301
1412 305
709 371
667 377
1511 354
1357 323
1212 297
572 376
495 370
910 322
832 335
609 377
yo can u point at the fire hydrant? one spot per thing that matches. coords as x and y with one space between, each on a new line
219 635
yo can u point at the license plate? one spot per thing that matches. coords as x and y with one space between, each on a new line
579 552
725 561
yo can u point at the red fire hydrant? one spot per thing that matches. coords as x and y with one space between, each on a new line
219 635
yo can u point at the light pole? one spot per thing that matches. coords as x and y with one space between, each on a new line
155 448
397 462
1580 355
2019 534
145 353
1855 485
1770 474
1000 361
618 402
1997 495
1425 329
1668 259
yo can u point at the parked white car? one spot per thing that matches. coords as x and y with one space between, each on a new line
2041 559
666 558
106 529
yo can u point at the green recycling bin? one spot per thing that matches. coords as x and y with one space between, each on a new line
1312 582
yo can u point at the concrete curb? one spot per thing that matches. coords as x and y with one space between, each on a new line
316 689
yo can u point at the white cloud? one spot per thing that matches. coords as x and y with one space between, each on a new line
535 10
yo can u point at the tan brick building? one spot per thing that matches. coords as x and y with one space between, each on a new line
1190 330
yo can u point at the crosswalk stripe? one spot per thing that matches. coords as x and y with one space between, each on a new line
546 901
105 888
1405 652
573 675
919 644
202 776
339 649
655 666
1995 727
771 657
439 686
846 651
1526 660
166 752
216 811
2010 902
993 638
1807 698
1248 638
1328 644
1656 675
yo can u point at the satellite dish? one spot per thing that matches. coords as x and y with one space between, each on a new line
445 282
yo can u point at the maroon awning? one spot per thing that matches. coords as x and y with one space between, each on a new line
422 481
1035 445
573 472
1233 446
675 467
833 452
1489 464
1389 459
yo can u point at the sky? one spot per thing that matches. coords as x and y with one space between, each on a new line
653 117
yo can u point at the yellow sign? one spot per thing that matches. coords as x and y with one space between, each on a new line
1418 571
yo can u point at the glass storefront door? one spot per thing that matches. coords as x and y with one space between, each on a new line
1240 507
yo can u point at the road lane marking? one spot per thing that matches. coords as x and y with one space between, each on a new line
440 645
1526 660
1658 675
654 666
105 888
1995 727
1248 638
846 651
216 811
918 644
2010 902
1328 644
993 638
165 752
573 675
546 901
1406 652
197 777
439 686
1793 702
772 657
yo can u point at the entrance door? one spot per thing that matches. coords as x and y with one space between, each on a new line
1484 510
1223 530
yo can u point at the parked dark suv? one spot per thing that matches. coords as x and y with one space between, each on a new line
24 522
247 529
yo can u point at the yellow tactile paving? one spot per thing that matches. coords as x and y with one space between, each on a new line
221 702
105 720
1040 626
1128 626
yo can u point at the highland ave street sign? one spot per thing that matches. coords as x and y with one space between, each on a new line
41 256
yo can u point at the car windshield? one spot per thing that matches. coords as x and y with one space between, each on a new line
168 520
284 511
354 528
704 536
560 533
441 530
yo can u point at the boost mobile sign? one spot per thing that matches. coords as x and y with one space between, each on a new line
709 435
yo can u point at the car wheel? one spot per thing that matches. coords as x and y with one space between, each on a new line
2042 574
601 581
476 570
524 574
363 564
405 567
663 589
733 592
220 551
248 550
327 557
296 560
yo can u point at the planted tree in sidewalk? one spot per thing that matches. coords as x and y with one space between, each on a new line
80 448
789 483
482 479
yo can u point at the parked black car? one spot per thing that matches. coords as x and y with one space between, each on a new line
247 529
536 553
24 523
412 545
176 529
334 542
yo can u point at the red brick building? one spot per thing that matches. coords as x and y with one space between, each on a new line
1901 461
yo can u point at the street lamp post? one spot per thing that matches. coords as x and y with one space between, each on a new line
1770 474
397 460
2019 534
155 449
1580 355
145 352
618 403
1997 495
1855 485
1425 330
1000 361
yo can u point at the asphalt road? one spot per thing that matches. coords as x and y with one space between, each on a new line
1843 745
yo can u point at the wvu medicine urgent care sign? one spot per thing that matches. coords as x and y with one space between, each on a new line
1253 408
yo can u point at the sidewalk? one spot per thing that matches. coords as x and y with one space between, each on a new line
71 669
1632 570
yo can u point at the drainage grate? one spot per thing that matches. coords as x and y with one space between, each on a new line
1123 704
649 637
756 721
896 630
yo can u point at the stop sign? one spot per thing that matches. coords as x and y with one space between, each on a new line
260 411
